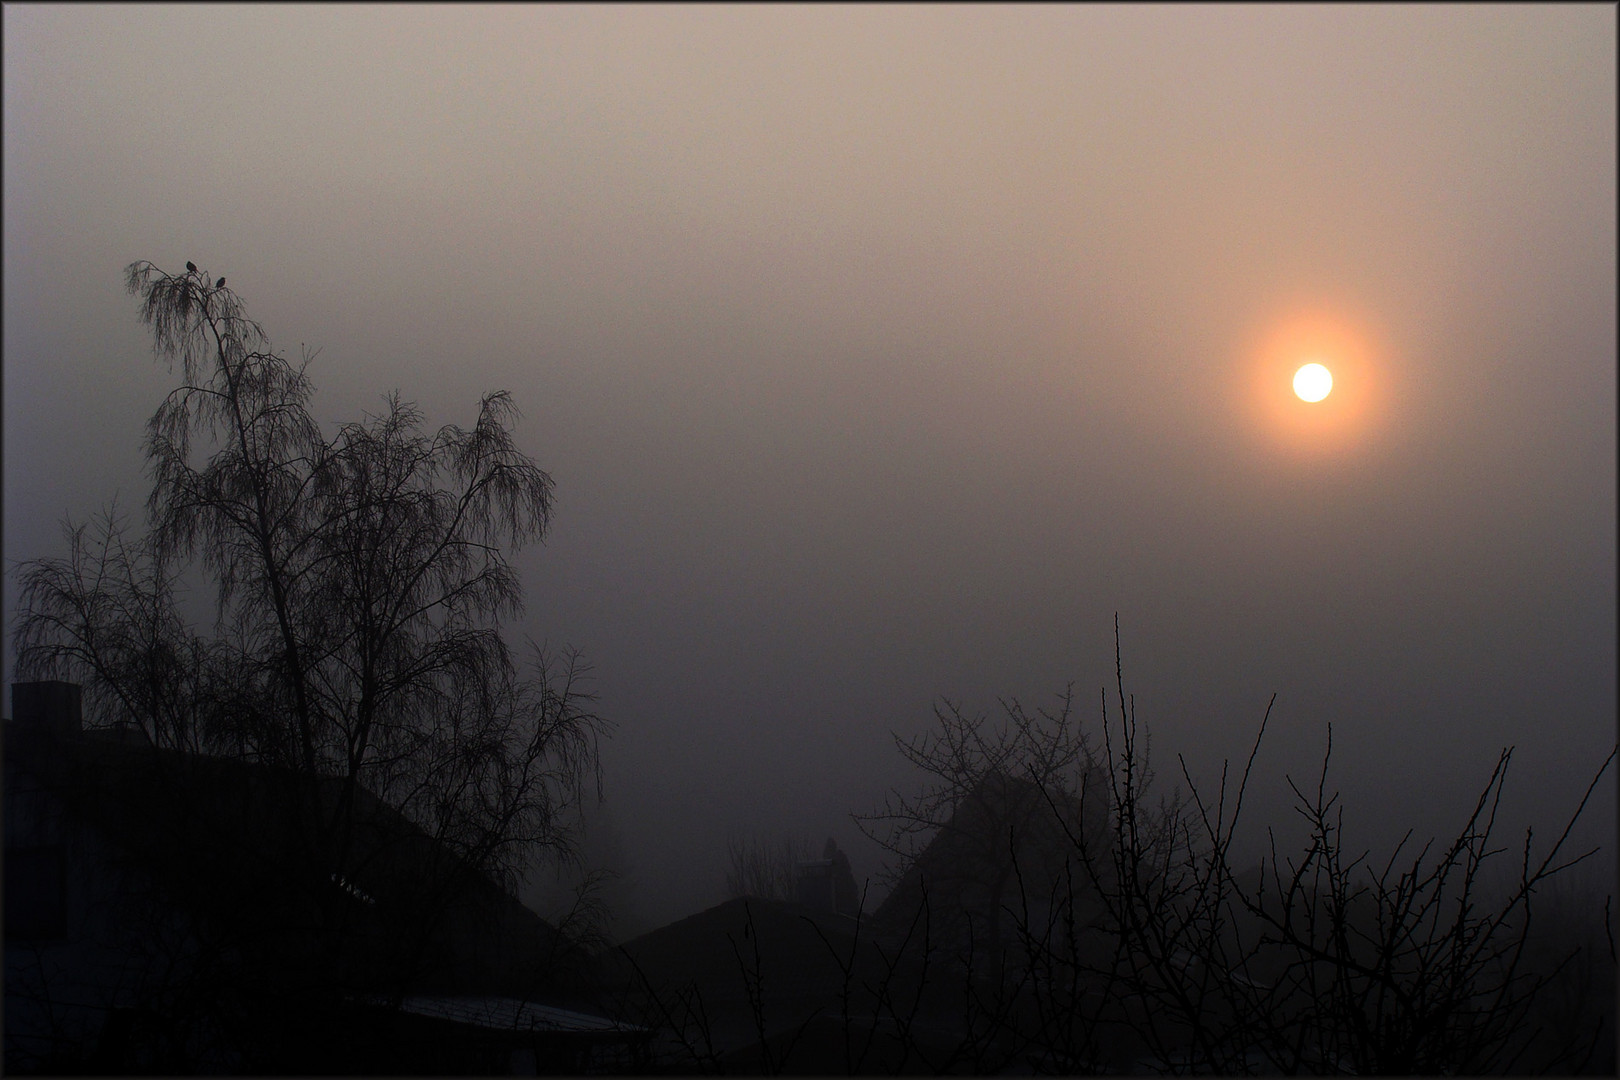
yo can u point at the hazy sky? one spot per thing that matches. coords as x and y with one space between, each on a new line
881 354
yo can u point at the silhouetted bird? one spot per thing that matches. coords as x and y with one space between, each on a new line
220 284
191 266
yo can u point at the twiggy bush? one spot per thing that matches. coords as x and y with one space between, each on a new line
1142 948
1325 963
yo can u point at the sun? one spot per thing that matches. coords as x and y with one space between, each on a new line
1313 382
1288 401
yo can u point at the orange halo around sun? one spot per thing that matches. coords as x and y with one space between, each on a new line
1343 419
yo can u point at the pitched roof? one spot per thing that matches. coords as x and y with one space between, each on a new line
223 840
1005 829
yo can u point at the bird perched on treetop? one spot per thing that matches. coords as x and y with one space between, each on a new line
220 284
191 266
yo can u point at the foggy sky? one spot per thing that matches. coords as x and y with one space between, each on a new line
883 354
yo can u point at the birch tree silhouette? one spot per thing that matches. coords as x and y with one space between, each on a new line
360 580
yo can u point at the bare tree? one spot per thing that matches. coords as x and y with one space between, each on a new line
1409 967
107 614
360 581
1321 963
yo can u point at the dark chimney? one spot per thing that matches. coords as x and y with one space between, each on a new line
54 707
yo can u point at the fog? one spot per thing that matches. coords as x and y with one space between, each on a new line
882 355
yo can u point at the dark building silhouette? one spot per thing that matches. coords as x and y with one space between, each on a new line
164 912
828 883
1006 840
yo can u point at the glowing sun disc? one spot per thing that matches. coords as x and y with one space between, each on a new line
1313 382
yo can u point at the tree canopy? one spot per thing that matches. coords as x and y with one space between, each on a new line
361 580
